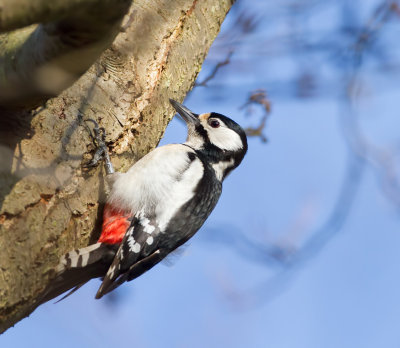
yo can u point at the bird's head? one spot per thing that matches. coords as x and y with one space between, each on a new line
221 140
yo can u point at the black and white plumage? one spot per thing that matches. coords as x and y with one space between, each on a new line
158 204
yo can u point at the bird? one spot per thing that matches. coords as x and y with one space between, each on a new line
157 205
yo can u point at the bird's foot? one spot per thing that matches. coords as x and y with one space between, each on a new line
101 151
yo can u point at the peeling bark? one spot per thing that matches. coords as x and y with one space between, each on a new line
49 204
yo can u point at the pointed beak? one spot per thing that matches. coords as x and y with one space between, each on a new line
188 116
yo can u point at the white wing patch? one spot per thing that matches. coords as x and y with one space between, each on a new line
133 245
147 227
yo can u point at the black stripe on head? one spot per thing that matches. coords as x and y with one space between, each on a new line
202 132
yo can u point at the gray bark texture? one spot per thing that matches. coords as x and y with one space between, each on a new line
50 204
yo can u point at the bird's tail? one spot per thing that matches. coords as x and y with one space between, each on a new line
77 267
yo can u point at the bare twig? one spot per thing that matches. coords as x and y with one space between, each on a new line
214 71
361 154
258 131
291 263
258 97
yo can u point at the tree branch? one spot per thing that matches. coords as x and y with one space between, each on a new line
39 62
48 204
16 14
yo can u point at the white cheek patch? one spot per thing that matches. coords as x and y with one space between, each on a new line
224 138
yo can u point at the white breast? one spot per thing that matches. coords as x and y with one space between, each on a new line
158 184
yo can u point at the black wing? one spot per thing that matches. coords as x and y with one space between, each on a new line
137 253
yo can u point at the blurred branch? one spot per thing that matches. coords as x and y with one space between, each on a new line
258 97
245 23
215 70
395 8
361 152
381 160
16 14
291 262
37 63
258 131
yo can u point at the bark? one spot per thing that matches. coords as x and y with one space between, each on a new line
15 14
49 203
40 61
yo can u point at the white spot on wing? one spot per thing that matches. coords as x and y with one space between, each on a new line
133 245
136 248
150 240
145 222
149 229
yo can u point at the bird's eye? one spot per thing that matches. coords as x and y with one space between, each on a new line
213 123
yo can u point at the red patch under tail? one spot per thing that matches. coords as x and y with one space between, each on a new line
115 224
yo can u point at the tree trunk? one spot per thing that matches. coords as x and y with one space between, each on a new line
49 203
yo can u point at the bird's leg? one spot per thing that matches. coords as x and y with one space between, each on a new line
102 151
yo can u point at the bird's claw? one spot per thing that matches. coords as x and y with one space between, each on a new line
101 151
96 158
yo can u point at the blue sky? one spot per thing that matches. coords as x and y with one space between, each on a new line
217 292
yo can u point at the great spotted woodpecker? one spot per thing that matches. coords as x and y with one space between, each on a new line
157 205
